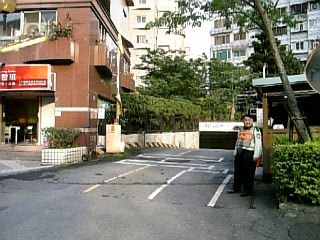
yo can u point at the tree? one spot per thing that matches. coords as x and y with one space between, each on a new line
247 14
226 83
173 77
262 56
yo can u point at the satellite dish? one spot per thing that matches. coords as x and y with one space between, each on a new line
313 69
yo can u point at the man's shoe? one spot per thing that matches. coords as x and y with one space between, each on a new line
231 191
245 194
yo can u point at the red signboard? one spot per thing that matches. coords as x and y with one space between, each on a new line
25 77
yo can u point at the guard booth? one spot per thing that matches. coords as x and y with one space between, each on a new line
276 120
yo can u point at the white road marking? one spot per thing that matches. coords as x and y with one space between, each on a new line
217 194
113 178
165 163
125 174
156 192
226 171
176 157
183 153
91 188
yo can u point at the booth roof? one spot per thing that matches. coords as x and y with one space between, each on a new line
272 81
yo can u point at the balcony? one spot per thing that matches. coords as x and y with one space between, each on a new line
127 82
101 61
41 50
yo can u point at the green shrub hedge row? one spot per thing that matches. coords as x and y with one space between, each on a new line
296 171
142 104
60 137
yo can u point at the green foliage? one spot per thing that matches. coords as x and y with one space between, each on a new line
227 84
142 105
296 171
176 78
60 137
173 77
262 55
244 13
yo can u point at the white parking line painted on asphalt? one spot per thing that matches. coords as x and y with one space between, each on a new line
217 194
91 188
176 157
114 178
183 153
165 163
125 174
156 192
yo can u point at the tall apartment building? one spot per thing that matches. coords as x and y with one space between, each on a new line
142 12
235 47
54 75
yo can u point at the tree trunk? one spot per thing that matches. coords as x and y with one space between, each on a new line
292 101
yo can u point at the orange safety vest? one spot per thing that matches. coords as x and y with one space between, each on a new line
245 137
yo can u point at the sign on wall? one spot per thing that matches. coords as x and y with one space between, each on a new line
25 77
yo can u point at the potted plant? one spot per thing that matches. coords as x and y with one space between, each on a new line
60 146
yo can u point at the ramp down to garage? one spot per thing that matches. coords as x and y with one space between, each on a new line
217 140
218 135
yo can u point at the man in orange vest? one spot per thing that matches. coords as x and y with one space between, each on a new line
248 150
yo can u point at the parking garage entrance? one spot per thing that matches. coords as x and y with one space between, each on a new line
218 135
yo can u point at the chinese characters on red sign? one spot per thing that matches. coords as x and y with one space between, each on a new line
25 77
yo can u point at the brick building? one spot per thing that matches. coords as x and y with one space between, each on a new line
58 66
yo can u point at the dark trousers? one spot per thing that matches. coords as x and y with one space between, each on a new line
244 171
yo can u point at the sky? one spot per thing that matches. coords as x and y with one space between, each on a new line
198 40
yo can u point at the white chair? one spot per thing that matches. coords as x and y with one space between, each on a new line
8 134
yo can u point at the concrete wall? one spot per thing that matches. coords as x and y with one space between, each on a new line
180 139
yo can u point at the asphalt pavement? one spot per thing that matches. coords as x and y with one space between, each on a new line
304 220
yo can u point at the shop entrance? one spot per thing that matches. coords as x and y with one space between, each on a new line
20 120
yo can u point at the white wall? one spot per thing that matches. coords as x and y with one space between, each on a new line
47 115
117 9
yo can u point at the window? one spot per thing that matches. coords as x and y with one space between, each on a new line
35 22
141 19
302 26
239 36
10 25
239 53
299 46
299 8
142 1
314 5
314 23
313 44
222 39
219 23
282 10
103 34
222 54
280 31
141 39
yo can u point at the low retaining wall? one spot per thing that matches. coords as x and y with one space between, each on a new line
51 156
179 139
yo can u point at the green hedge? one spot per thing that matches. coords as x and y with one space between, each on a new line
296 171
143 104
60 137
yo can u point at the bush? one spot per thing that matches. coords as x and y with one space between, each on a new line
296 171
60 137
